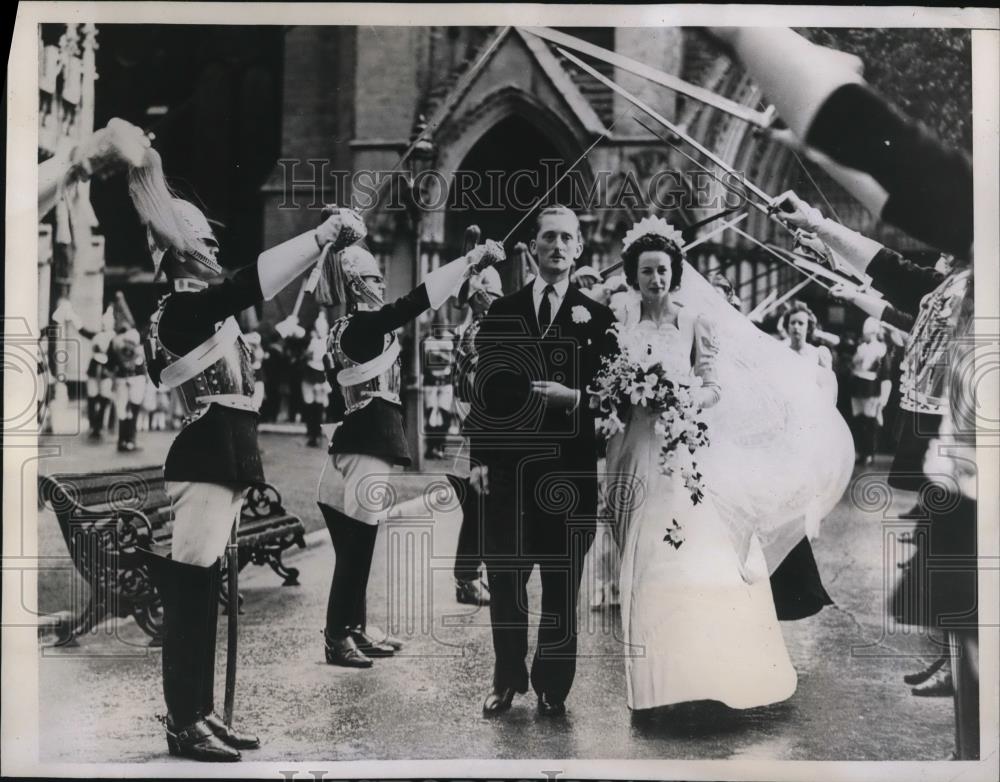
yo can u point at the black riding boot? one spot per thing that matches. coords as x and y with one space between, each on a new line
469 585
103 404
92 407
133 412
341 647
313 417
189 594
380 645
126 433
213 720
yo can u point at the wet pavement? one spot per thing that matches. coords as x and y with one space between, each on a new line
98 700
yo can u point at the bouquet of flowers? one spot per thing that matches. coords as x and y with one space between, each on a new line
633 378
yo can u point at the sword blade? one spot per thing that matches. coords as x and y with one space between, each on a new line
565 174
233 594
701 166
759 118
717 230
772 251
770 304
608 271
842 271
645 107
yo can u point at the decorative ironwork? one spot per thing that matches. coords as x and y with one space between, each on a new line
262 500
104 540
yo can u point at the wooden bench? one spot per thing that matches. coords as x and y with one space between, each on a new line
105 517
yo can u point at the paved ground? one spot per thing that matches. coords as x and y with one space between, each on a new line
98 700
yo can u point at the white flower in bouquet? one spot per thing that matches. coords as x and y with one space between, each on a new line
677 427
643 391
611 424
635 378
673 460
674 534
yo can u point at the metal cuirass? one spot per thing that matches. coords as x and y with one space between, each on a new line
360 382
219 371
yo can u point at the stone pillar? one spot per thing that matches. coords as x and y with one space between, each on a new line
87 298
317 118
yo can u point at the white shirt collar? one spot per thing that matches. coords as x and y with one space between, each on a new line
189 285
538 287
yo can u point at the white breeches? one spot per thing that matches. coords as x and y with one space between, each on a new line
318 393
204 514
359 486
129 390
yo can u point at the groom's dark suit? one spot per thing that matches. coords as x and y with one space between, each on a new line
542 463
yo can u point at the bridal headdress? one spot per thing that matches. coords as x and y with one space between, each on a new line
653 226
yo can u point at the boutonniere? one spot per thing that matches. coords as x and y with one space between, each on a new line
580 314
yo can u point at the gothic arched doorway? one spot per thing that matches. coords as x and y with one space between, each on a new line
504 174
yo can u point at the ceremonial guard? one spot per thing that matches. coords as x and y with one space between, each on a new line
100 374
438 364
99 379
129 367
479 292
195 346
364 369
315 389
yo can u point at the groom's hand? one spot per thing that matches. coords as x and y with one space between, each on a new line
556 394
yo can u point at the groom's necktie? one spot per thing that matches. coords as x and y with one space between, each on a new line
545 309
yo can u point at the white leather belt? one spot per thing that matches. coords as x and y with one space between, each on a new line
202 357
237 401
362 373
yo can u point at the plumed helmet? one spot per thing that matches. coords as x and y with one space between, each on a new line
194 234
358 262
342 277
172 224
193 219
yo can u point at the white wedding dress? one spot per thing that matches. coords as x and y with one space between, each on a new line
699 621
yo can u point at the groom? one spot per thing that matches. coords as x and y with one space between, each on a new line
534 461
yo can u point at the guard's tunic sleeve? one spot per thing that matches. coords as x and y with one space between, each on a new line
895 317
929 185
902 282
363 338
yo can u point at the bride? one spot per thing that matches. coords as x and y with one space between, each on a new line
698 618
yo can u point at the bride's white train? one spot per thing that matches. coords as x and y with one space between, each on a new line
699 620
